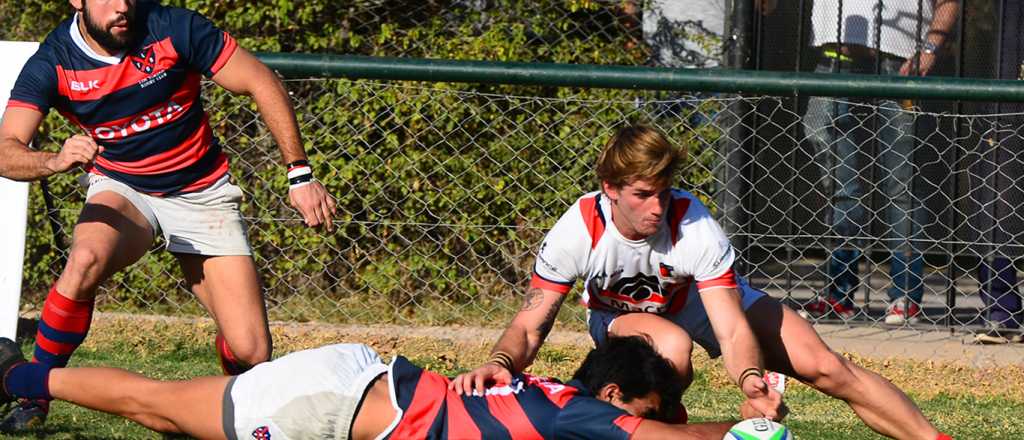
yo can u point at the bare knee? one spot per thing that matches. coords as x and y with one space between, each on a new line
259 353
82 273
678 352
250 351
832 374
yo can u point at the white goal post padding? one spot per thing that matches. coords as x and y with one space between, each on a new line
14 199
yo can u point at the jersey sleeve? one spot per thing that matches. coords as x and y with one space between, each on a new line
563 253
201 44
586 418
703 249
36 86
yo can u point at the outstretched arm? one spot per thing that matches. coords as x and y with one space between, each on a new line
190 407
520 341
244 74
653 430
740 351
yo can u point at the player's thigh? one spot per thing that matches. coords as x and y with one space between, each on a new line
229 287
789 343
668 338
110 233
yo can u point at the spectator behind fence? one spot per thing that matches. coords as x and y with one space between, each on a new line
897 37
995 193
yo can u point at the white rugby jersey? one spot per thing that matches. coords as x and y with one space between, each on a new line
689 253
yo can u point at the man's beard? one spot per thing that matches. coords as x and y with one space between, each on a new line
104 37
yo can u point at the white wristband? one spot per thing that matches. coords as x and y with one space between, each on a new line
299 171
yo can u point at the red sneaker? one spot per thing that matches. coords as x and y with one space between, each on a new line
824 307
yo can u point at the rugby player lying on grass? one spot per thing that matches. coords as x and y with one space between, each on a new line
345 391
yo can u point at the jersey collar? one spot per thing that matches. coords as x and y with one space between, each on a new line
79 40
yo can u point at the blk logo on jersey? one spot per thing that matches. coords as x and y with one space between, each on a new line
85 86
145 60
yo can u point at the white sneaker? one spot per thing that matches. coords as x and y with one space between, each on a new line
902 311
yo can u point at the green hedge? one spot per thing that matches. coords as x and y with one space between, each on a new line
396 158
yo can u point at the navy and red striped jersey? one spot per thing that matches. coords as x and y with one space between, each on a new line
530 407
144 106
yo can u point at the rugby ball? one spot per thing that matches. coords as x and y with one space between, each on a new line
758 429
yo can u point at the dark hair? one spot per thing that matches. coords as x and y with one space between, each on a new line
631 363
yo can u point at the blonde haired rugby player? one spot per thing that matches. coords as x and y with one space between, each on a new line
653 261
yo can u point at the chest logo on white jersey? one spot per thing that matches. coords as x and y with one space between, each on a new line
639 287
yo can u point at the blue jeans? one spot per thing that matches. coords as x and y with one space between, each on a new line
841 138
998 280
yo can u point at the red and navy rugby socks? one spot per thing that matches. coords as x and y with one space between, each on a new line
62 328
29 380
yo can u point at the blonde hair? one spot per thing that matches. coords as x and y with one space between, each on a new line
638 153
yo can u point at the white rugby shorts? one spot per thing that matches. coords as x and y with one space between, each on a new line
206 222
309 394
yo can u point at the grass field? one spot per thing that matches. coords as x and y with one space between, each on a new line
967 403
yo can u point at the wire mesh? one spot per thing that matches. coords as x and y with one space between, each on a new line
444 192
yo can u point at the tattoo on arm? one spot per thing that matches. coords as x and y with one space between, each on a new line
534 298
549 321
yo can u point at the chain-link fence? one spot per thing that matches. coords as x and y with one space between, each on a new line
444 191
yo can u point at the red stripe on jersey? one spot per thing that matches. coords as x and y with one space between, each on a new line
679 208
680 293
726 280
187 153
592 218
89 85
23 104
164 113
221 168
460 424
225 54
654 298
57 348
426 402
558 393
508 411
628 423
541 283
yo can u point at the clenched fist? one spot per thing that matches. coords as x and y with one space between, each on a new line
78 150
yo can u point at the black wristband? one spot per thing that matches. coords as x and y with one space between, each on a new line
752 371
298 163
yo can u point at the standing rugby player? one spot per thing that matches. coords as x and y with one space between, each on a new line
128 74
